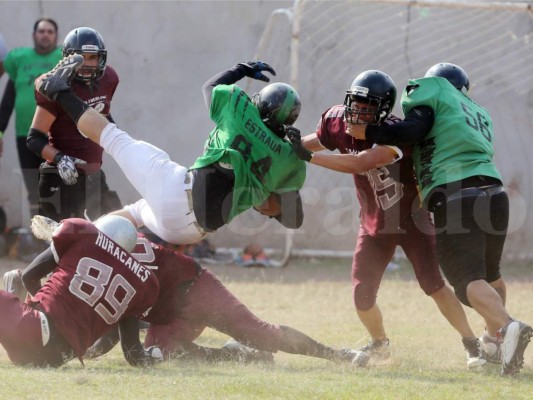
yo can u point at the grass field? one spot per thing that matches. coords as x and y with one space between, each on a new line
314 296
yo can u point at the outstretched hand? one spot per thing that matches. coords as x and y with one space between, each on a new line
254 69
294 136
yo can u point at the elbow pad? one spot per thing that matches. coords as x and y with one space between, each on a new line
36 141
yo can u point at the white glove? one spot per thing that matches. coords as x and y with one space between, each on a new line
66 166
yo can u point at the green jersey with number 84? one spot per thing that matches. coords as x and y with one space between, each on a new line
262 162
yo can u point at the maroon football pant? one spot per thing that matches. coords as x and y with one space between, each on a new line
373 254
208 303
21 337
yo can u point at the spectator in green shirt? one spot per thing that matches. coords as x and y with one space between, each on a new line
23 65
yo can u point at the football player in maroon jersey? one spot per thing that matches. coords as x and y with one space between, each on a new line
71 180
94 284
391 213
191 298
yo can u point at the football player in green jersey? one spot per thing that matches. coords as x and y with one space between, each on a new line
247 161
460 184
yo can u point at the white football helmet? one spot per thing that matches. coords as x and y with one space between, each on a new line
118 229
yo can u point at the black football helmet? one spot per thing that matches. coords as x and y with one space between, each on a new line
377 91
279 105
454 73
86 40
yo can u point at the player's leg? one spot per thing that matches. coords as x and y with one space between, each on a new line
28 336
419 246
495 231
144 164
420 249
495 240
55 85
164 185
371 257
210 302
169 338
461 253
515 336
175 341
461 250
20 331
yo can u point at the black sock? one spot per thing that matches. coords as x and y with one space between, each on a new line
72 104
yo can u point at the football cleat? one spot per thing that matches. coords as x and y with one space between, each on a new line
237 351
58 79
13 284
356 357
43 228
491 347
514 337
375 349
475 356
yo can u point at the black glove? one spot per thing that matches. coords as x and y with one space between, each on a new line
253 69
66 166
292 132
295 138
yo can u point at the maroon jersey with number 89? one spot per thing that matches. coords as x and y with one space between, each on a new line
95 284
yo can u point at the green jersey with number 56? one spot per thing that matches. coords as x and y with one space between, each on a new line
262 162
460 143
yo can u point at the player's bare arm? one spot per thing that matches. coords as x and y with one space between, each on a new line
312 143
356 163
364 161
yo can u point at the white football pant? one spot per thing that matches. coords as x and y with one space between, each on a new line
166 187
